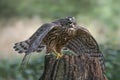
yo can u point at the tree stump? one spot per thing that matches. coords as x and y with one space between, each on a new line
68 67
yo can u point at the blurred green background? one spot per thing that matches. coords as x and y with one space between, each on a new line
19 19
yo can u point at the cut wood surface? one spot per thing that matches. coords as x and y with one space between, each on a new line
68 67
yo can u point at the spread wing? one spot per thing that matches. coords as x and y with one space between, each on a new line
83 42
34 43
38 36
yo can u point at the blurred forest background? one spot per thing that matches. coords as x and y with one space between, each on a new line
19 19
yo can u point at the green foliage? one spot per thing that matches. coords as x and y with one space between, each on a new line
108 11
11 70
112 58
44 8
8 8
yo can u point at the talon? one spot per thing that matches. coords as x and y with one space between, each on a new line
59 55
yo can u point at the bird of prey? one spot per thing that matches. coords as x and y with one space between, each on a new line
61 33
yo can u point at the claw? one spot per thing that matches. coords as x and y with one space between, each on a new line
58 55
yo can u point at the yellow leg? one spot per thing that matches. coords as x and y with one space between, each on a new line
58 55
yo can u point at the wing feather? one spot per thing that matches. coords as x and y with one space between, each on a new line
38 36
83 42
35 41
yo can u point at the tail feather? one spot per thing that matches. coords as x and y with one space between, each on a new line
22 47
25 59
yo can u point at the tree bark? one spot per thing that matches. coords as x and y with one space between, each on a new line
68 67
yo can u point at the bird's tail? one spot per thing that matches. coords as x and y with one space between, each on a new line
25 60
23 47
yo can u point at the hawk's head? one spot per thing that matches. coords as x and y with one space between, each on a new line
68 22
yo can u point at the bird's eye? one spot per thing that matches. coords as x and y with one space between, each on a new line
70 19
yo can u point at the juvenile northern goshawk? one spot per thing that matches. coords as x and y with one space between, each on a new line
58 34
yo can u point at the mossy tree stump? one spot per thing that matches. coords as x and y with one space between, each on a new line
72 68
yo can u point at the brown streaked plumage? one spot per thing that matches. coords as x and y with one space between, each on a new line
58 34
